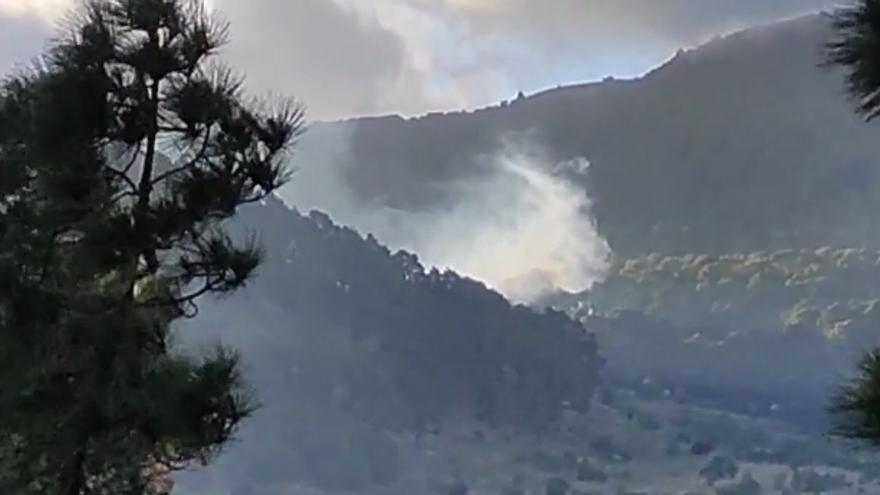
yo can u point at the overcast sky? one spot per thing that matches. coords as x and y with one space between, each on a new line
357 57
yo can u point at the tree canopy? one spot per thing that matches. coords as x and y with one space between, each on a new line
857 49
121 154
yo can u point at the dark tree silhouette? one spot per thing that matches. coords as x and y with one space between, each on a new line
857 404
121 154
857 49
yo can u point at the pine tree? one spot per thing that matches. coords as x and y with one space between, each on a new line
856 48
122 153
857 404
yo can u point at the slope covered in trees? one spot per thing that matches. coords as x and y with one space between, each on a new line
376 375
739 151
443 386
720 176
356 351
761 332
743 144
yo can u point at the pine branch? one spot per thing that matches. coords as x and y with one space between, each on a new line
200 155
119 174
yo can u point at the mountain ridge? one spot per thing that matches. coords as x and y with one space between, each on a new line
594 84
677 164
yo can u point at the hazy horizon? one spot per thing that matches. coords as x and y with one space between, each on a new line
346 59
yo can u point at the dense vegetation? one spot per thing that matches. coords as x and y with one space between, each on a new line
356 349
696 338
361 394
745 329
103 246
743 144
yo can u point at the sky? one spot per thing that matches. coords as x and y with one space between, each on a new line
346 58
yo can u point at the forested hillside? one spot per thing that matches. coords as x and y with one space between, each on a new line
743 144
769 333
735 185
378 376
723 323
708 363
737 191
356 352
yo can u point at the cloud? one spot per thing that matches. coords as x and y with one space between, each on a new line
46 10
562 21
336 60
22 37
502 46
355 57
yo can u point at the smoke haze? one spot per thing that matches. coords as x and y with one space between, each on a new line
522 227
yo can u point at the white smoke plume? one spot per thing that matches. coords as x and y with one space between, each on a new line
524 229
